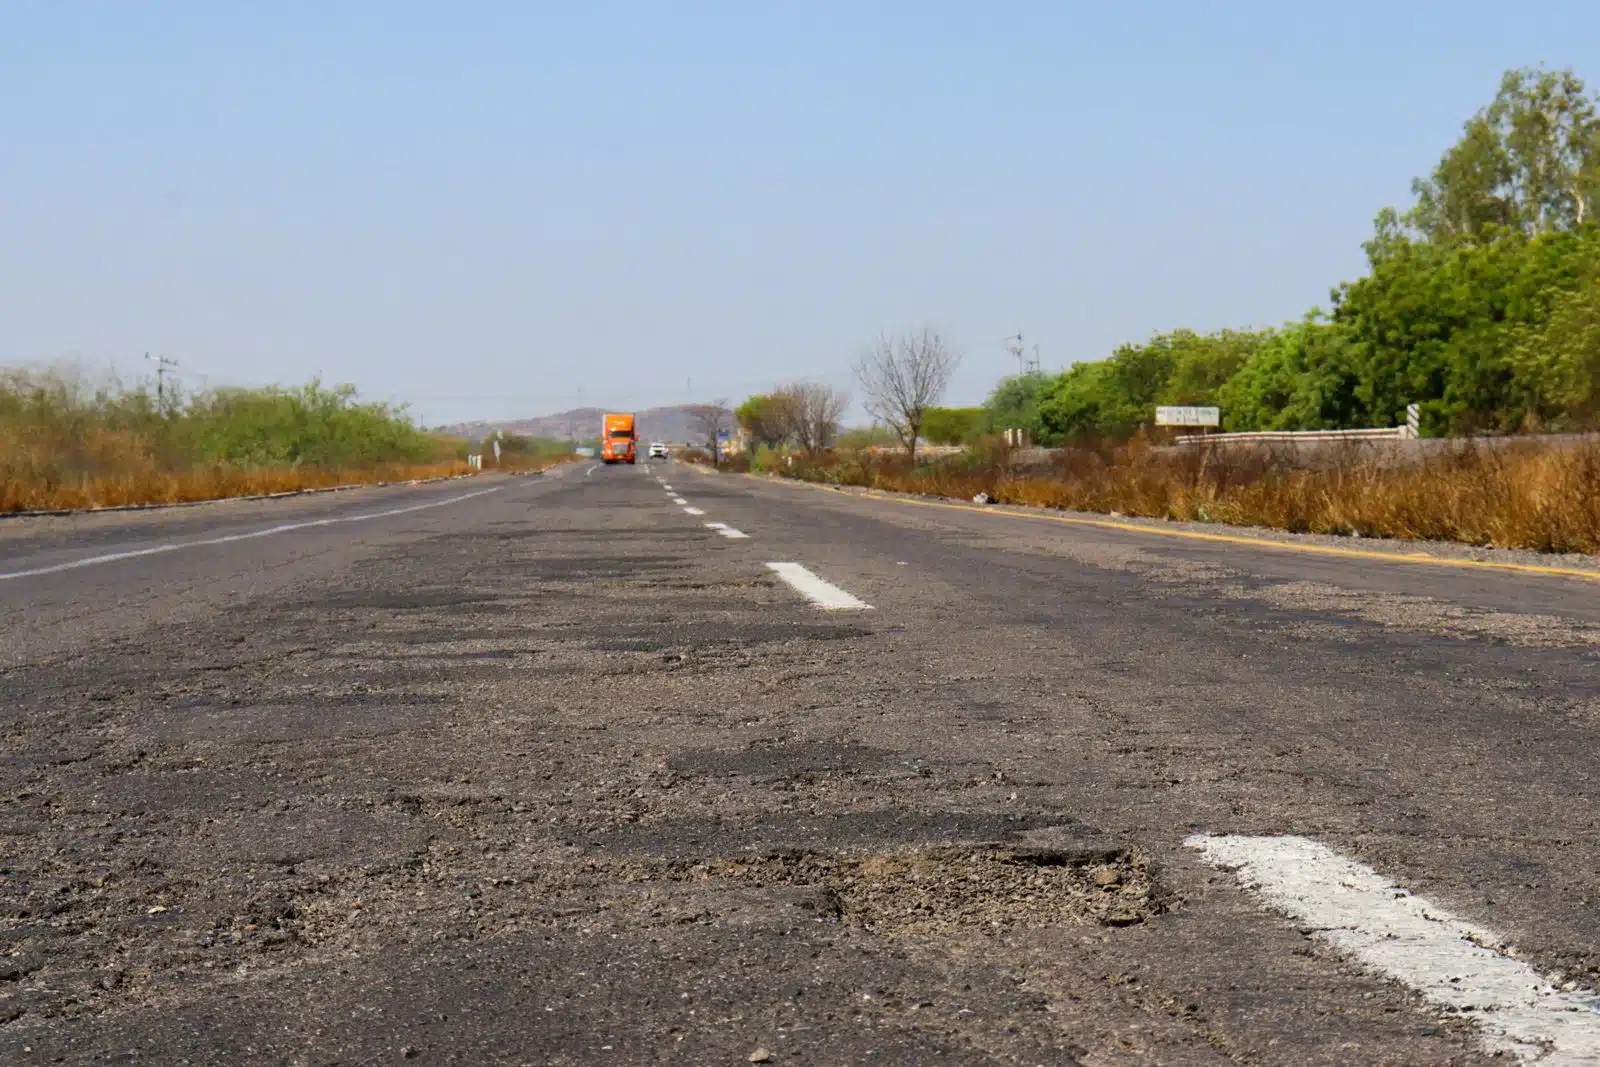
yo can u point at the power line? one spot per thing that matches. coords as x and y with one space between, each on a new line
162 363
1019 352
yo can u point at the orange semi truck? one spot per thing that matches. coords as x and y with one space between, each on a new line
618 441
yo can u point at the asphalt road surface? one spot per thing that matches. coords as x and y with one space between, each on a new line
564 770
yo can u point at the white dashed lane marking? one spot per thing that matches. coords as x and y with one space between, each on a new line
679 500
694 511
727 531
1456 964
823 594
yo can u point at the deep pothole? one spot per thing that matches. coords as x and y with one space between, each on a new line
989 888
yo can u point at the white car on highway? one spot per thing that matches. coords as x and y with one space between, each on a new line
658 450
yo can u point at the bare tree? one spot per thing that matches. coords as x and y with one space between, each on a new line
903 375
812 412
711 420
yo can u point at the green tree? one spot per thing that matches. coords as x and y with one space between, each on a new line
952 426
1014 404
767 418
1529 163
1113 397
1435 324
1299 378
1203 363
1556 363
1081 403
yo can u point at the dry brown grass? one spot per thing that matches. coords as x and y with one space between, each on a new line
1533 496
153 486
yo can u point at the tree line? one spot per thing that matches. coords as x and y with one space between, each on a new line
902 376
1481 304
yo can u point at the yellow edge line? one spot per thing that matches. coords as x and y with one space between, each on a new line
1230 539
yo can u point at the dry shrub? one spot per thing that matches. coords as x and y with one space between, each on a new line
1536 495
70 440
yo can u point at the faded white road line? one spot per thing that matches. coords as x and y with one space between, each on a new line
590 471
1454 963
823 594
726 531
694 511
174 546
667 487
679 500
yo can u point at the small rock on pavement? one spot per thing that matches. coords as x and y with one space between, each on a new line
1106 876
761 1055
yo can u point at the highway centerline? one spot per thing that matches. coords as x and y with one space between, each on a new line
1452 962
823 594
693 511
726 531
175 546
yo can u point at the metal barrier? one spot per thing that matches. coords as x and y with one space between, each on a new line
1267 437
1409 432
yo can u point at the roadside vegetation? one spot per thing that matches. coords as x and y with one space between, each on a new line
1481 304
69 441
1525 494
520 454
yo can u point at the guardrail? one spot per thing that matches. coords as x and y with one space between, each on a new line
923 449
1410 431
1269 437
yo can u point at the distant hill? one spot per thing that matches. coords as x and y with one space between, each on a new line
671 424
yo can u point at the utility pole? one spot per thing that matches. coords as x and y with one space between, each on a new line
162 363
1034 369
1014 346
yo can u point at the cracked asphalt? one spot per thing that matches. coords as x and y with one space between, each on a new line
556 774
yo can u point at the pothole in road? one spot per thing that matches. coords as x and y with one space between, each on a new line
983 887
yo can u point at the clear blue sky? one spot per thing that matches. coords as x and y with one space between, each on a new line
489 209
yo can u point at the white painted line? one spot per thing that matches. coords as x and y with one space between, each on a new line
174 546
1452 962
823 594
679 501
716 526
667 487
732 534
590 471
694 511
